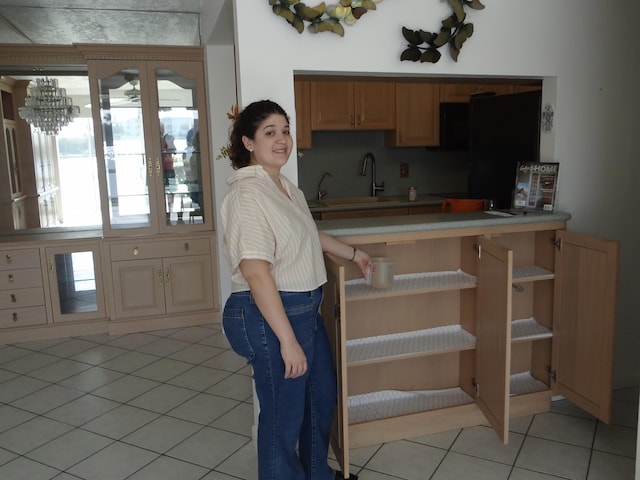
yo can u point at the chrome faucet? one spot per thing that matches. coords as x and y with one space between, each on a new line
322 193
374 186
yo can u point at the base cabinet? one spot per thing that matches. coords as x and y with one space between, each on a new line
163 277
476 328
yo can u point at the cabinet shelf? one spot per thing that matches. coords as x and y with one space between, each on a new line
410 283
398 345
524 382
528 329
531 273
393 403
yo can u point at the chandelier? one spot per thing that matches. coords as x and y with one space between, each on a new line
47 107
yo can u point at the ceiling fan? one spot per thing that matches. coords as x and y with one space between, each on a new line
133 94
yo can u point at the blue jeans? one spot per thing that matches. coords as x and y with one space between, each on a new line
293 411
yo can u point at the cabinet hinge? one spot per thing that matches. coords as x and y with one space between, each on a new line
553 374
476 386
558 243
478 248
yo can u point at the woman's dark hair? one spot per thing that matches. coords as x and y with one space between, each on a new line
246 124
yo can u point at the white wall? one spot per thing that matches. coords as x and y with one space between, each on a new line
583 49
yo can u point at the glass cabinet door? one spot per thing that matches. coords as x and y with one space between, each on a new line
153 139
180 126
75 283
123 142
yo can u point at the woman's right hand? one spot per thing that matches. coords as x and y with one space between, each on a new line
295 361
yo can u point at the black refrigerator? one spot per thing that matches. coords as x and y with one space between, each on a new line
503 130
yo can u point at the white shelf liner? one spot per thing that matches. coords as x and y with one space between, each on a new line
412 282
521 383
528 329
450 337
393 403
531 272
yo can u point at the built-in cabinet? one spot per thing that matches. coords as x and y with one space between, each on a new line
480 325
352 105
151 145
154 262
163 277
408 110
417 115
303 113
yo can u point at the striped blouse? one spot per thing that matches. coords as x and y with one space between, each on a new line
260 222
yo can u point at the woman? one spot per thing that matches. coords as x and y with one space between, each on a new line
275 253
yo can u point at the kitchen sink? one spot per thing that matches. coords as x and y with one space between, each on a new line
331 202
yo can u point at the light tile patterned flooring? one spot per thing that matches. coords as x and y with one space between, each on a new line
177 404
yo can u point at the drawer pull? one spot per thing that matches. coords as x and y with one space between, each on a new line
8 257
13 298
14 316
10 277
186 246
136 251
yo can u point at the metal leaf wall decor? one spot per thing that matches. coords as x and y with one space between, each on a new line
322 17
424 46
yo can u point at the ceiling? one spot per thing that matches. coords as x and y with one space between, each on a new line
63 22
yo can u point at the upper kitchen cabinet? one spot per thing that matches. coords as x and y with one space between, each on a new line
460 92
303 113
417 115
352 105
152 145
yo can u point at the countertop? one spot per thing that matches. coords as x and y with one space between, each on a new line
435 221
395 201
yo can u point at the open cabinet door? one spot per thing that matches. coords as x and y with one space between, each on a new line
332 310
584 321
493 333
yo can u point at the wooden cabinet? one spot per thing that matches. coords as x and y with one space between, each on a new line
153 142
480 325
417 115
22 296
352 105
460 92
303 113
163 277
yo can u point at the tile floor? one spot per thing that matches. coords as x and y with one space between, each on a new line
177 404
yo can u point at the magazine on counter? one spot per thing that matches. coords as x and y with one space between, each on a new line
536 186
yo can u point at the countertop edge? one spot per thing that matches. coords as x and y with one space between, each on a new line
433 222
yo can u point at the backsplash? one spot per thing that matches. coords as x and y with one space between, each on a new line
341 154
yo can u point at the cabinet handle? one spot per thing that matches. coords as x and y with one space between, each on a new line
10 277
158 167
136 251
167 277
150 166
160 277
51 267
359 121
186 246
13 298
14 316
352 121
8 257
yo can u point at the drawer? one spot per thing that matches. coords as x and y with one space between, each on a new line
22 317
21 297
27 258
24 278
169 248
